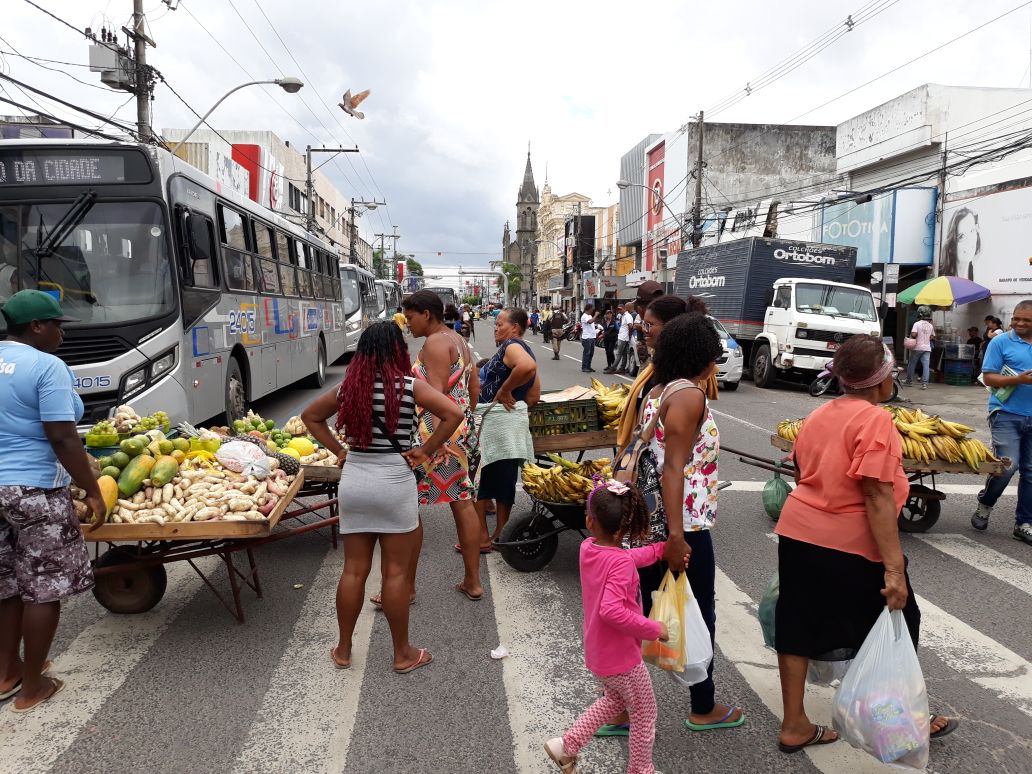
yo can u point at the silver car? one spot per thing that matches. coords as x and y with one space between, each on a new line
729 365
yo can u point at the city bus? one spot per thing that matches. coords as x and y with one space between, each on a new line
361 307
388 294
190 299
447 295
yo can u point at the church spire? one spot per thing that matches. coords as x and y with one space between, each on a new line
528 191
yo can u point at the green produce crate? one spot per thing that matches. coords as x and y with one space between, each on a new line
573 416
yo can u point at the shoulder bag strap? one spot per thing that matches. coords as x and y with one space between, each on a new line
647 432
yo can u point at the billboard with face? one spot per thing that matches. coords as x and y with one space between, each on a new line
987 238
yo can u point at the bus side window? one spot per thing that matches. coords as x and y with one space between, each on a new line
288 278
201 248
304 275
239 269
268 275
318 280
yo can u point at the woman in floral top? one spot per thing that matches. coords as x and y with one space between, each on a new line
682 460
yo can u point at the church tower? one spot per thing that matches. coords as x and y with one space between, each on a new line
527 202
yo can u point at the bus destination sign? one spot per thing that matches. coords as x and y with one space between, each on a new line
30 167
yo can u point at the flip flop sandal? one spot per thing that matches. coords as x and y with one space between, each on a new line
378 601
722 723
17 686
489 549
337 664
952 724
425 657
470 597
614 729
58 687
816 740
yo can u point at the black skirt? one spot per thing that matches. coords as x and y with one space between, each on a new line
829 601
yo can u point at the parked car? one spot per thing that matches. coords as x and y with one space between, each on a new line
729 365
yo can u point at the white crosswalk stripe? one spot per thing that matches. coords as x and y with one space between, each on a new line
32 742
973 654
323 701
974 554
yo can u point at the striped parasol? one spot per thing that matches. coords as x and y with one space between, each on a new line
943 291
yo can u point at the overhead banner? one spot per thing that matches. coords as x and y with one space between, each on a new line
987 238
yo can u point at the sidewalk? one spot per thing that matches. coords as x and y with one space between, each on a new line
960 404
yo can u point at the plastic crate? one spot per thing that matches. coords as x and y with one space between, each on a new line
572 416
958 367
958 380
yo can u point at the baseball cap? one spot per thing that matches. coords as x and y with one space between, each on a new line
649 290
28 305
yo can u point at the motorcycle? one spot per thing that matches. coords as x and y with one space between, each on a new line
572 331
826 382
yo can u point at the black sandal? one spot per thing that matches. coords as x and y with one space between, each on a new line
816 739
952 724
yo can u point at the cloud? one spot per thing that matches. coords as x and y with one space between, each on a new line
460 87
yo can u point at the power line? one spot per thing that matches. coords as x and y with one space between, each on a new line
57 120
84 111
38 62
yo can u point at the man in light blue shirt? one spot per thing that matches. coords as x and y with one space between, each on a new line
1008 364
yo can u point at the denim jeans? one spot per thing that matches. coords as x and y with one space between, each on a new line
622 348
1012 437
924 358
589 353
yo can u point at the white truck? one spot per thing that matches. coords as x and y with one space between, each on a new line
787 303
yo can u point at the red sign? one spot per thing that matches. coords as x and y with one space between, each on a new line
401 271
655 211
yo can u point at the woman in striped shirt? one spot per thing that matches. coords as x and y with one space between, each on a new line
375 409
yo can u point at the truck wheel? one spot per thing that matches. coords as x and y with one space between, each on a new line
762 367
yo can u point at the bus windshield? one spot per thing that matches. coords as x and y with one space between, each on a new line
113 267
352 293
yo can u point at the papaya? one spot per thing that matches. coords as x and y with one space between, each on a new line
112 471
120 459
164 470
132 447
109 492
178 455
105 462
135 472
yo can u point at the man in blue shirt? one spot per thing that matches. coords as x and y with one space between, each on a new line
1008 364
43 558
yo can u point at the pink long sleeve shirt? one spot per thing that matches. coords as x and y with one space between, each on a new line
614 626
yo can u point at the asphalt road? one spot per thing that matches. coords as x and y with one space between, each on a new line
183 688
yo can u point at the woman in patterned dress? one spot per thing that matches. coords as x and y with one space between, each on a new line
446 362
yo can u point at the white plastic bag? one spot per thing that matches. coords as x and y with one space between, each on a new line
882 705
698 647
246 458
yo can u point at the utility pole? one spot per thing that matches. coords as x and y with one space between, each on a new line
309 185
352 233
697 207
142 76
393 273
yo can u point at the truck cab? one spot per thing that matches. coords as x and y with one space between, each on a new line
806 320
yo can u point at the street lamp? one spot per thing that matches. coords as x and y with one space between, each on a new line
289 85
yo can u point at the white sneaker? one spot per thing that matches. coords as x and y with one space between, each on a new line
924 385
556 751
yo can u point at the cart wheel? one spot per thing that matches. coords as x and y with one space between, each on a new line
919 514
532 556
135 591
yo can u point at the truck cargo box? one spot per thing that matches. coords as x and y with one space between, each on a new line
735 278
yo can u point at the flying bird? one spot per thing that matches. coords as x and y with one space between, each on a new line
350 103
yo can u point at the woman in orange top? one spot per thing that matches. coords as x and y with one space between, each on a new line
839 556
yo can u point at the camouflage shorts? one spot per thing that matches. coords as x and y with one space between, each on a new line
42 554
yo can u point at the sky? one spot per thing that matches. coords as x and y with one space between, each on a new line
460 87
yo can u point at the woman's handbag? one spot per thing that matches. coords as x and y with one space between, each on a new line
909 343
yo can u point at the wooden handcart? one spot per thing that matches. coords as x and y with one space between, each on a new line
130 571
923 506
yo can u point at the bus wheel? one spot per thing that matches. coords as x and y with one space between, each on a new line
236 394
318 379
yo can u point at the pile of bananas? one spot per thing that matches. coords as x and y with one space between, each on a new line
789 428
925 438
564 482
611 401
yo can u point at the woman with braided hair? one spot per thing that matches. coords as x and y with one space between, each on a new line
375 408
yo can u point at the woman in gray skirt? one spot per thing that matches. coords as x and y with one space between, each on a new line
375 408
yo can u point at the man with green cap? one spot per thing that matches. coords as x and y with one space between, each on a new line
43 558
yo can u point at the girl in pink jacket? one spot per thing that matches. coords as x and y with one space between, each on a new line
614 626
